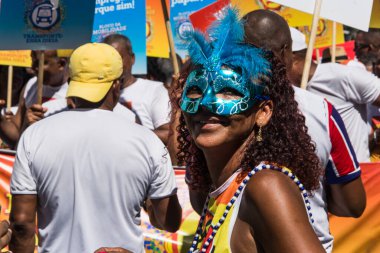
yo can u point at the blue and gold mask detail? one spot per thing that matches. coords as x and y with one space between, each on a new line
229 74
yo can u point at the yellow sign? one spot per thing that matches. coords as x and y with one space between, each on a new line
64 52
157 43
375 17
295 18
20 58
292 16
324 33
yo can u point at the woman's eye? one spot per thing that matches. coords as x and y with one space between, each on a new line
194 92
229 94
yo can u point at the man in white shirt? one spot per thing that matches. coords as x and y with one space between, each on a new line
349 89
148 99
367 50
88 185
55 86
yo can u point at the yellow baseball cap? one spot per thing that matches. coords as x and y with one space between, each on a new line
93 68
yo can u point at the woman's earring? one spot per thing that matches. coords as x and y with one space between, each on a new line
259 136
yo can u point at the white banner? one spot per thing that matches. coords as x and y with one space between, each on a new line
354 13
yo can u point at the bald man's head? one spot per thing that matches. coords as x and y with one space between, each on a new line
268 30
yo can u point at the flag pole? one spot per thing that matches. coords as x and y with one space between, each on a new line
170 37
306 69
333 48
40 77
318 55
9 88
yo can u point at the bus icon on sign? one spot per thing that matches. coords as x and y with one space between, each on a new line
44 14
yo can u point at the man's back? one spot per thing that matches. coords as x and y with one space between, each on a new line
349 90
91 177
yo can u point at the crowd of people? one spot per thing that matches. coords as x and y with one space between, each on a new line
264 158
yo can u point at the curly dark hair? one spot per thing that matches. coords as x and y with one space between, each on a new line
285 139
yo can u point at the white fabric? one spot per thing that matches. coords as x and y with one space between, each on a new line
149 100
356 63
48 92
372 111
298 38
91 180
13 110
59 105
315 110
349 90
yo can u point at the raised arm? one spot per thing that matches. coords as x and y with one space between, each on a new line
10 125
272 205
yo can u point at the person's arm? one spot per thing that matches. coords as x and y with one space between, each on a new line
197 200
273 206
160 113
33 114
23 223
161 202
163 133
346 199
5 233
345 191
10 125
165 213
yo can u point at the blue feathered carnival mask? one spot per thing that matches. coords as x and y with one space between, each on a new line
226 81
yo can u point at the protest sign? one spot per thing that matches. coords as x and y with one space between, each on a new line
126 17
20 58
41 25
324 33
341 11
156 35
202 18
375 17
180 11
292 16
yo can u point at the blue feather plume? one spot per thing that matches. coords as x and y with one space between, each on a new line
226 47
227 31
199 48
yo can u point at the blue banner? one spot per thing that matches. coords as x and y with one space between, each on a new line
45 24
126 17
180 11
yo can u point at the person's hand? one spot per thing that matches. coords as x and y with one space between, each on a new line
8 114
34 113
5 233
112 250
2 103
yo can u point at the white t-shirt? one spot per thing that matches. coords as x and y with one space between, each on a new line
91 171
60 105
349 89
357 64
149 100
48 92
335 151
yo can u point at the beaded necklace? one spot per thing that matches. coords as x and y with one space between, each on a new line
216 227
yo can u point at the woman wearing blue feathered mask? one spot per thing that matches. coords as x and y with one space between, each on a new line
249 159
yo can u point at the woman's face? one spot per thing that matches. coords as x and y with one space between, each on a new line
209 130
221 110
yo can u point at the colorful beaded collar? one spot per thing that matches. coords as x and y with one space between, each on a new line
216 227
